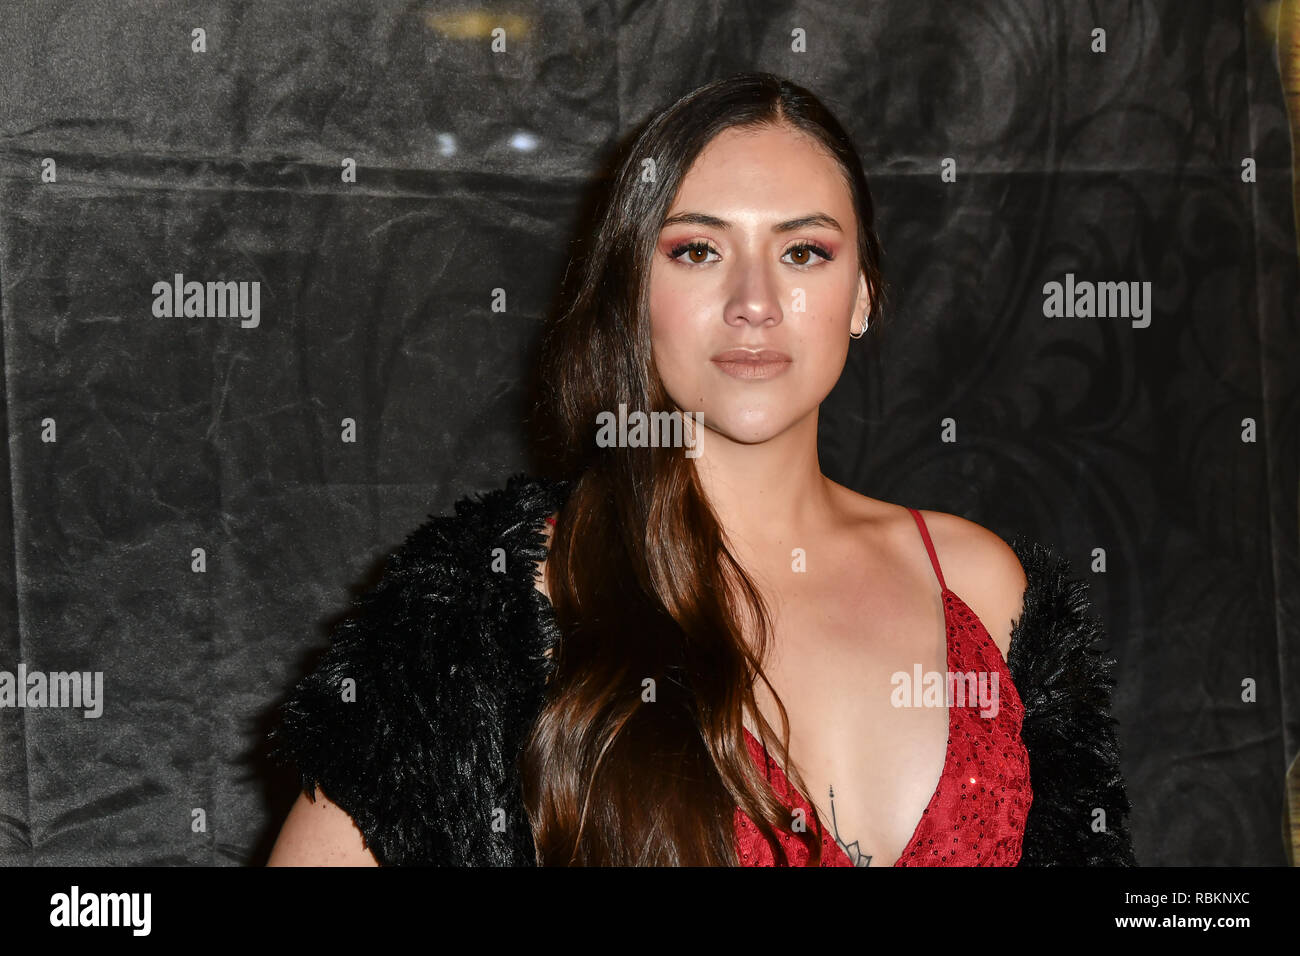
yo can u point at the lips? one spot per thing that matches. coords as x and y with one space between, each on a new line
751 356
752 363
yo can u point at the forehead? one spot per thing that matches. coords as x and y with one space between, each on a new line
773 172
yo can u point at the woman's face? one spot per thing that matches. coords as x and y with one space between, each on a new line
741 283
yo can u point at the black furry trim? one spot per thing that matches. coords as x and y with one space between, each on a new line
1065 685
448 661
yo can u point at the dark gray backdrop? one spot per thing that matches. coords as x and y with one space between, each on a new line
180 433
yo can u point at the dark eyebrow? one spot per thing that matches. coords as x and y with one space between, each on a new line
790 225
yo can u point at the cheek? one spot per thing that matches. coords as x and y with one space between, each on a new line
673 327
669 296
672 357
824 338
837 316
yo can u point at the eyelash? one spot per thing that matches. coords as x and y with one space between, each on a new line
799 247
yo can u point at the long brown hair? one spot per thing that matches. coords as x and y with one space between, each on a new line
643 584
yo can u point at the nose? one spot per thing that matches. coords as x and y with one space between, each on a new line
755 297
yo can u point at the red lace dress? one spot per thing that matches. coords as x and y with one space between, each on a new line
976 816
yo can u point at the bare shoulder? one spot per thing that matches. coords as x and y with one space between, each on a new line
318 832
982 569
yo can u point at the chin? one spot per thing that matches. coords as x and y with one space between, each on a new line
748 430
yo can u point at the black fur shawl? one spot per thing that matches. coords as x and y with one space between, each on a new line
447 659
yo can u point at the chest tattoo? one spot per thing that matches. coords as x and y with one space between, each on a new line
854 852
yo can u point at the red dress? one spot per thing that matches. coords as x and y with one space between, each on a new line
976 816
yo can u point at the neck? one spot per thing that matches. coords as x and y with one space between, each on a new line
770 492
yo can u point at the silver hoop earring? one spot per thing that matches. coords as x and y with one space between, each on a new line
862 333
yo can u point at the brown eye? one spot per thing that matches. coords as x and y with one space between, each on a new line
802 249
697 252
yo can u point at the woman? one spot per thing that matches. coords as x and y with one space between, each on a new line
616 667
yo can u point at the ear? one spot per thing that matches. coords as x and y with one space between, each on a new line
863 306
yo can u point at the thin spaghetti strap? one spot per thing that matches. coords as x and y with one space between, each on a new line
929 546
